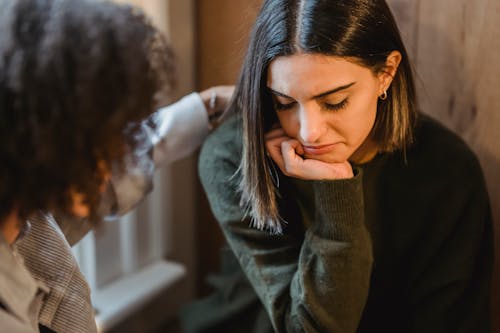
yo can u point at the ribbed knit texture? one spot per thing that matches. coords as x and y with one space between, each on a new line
343 199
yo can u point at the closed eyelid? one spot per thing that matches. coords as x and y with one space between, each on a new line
336 106
283 102
282 98
334 98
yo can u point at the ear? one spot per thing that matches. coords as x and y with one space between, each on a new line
387 74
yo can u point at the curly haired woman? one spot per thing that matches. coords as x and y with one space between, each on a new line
80 82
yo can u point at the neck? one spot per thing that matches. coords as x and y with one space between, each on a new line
10 227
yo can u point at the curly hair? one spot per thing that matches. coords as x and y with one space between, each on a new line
76 78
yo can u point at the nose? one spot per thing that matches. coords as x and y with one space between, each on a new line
312 124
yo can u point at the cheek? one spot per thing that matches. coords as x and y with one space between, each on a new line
363 118
371 114
289 123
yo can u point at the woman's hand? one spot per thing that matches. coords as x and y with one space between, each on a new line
288 153
216 99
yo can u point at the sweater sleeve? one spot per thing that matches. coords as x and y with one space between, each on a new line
315 284
180 129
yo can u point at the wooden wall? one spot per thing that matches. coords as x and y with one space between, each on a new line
455 45
223 31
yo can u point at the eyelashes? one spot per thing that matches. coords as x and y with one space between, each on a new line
331 107
336 107
281 107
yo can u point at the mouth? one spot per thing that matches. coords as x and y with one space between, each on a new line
319 150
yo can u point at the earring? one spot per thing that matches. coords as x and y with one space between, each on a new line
383 97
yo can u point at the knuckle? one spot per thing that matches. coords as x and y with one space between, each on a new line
289 170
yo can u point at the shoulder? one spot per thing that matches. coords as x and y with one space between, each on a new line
431 132
439 150
229 133
218 169
223 147
221 154
439 169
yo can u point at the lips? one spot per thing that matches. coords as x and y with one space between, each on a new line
319 150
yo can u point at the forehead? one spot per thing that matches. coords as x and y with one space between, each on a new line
313 72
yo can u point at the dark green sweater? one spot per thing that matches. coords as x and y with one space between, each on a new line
404 246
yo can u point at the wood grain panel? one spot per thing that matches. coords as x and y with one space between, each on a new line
223 31
406 13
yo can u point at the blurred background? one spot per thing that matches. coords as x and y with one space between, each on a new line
141 276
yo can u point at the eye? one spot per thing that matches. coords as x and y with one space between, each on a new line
281 107
336 107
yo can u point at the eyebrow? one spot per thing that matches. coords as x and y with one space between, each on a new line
323 94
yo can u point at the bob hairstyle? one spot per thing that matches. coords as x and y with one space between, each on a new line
365 32
76 79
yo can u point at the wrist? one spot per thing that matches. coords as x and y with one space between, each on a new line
206 97
210 100
343 171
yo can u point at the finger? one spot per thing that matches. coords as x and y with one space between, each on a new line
296 146
299 149
224 94
273 147
291 159
274 139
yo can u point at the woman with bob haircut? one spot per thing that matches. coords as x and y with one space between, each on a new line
347 209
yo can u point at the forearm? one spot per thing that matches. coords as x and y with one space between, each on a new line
177 131
172 133
317 285
183 126
180 129
330 288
